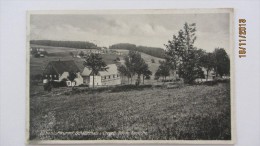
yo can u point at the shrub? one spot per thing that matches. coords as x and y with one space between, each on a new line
129 88
63 83
47 87
210 83
44 53
37 55
223 80
55 84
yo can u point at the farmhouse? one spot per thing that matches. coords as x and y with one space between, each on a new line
105 50
103 78
95 51
37 49
59 70
211 76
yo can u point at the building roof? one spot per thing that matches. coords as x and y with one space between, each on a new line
112 69
64 66
86 72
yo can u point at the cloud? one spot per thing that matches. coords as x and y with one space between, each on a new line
149 30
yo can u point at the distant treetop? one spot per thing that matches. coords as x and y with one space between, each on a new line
153 51
69 44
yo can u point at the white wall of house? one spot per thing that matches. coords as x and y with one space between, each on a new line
70 84
113 80
78 80
97 81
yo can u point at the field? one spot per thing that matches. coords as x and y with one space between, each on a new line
37 65
148 112
196 112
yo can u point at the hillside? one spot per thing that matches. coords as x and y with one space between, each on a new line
37 65
153 51
63 53
147 58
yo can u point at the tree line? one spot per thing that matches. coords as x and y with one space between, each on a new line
134 65
182 56
69 44
153 51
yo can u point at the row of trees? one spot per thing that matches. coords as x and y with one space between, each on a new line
134 65
69 44
153 51
181 55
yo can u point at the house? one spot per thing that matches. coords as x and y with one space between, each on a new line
95 51
42 55
41 50
104 78
59 70
211 76
105 50
118 53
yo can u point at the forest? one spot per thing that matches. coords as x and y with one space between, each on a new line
153 51
69 44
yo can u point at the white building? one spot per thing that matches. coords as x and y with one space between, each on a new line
103 78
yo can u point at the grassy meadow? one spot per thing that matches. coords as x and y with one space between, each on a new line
196 112
149 112
37 65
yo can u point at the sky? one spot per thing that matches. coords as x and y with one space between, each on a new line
152 30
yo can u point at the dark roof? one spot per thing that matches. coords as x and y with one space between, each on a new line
64 66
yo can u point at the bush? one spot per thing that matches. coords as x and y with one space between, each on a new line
159 86
45 53
47 87
63 83
37 55
223 80
129 88
55 84
83 85
210 83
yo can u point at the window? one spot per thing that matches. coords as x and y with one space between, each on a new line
117 75
109 77
54 76
114 76
105 77
50 75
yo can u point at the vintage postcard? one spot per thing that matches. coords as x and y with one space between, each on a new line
130 76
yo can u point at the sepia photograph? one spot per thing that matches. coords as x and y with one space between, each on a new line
130 76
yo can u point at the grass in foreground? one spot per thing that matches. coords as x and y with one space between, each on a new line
196 112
